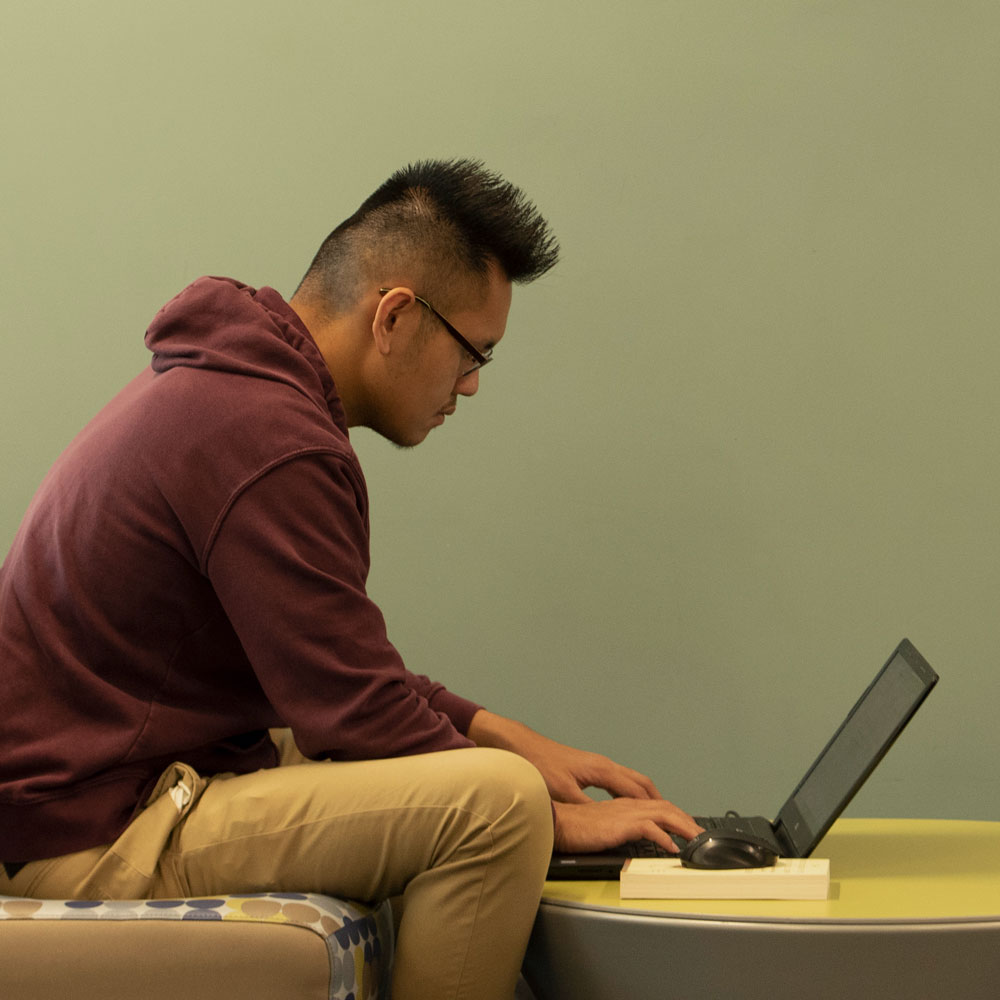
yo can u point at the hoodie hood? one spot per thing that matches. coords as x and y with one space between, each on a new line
222 325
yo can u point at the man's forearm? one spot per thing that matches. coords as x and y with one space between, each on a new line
487 729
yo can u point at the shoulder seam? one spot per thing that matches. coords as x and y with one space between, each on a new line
242 487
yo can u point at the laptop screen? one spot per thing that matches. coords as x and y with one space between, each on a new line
858 745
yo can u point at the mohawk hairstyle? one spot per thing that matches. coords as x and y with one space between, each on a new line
441 216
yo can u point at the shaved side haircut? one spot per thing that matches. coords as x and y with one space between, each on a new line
434 222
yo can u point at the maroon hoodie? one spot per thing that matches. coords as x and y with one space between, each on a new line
191 572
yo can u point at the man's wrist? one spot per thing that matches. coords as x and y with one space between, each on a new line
487 729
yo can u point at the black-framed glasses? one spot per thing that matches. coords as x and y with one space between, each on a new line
479 359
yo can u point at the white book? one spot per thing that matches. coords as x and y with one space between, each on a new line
666 878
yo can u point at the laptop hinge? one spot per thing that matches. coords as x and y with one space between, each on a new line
788 849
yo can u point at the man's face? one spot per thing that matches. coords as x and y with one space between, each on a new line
426 373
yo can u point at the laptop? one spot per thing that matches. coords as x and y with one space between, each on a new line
832 780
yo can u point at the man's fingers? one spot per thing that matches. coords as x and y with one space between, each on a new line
621 781
659 836
637 786
599 825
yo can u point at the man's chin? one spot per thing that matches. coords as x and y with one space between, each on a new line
405 437
405 441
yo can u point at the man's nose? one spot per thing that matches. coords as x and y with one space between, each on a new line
468 385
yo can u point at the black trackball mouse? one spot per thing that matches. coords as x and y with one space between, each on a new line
727 849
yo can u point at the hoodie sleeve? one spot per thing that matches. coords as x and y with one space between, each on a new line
289 563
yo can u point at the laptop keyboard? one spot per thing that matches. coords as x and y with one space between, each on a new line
645 849
757 825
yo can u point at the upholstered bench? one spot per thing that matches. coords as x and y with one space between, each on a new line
268 946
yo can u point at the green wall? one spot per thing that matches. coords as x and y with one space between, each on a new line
731 450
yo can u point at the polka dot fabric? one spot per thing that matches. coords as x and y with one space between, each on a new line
359 940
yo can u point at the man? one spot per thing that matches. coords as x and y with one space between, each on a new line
199 696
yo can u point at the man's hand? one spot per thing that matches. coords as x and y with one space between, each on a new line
566 771
638 810
597 826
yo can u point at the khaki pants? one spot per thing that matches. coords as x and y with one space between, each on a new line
464 836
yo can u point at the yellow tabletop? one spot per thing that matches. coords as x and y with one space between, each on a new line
880 869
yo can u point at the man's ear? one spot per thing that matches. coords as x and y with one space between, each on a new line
393 318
